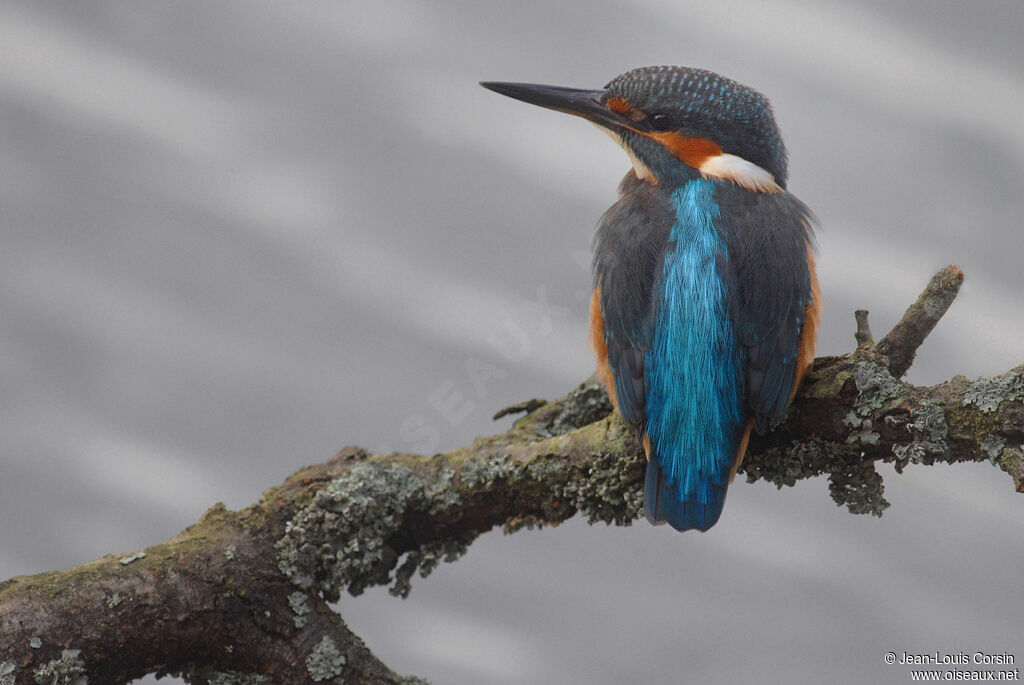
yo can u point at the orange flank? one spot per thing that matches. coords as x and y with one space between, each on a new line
604 372
742 449
810 335
692 150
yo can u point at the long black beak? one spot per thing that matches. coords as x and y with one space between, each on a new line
582 103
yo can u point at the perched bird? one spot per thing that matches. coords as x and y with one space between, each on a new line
705 306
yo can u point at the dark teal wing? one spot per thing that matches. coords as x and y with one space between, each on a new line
629 249
767 237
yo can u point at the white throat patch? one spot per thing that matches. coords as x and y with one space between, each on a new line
639 168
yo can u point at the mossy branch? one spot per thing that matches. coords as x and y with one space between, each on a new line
242 596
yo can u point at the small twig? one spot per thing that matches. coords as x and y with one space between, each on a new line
526 406
865 341
897 349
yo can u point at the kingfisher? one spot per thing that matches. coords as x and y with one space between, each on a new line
705 305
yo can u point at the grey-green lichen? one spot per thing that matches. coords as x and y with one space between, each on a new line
238 678
69 669
36 643
208 676
587 403
541 469
853 481
299 603
339 540
8 672
875 387
786 466
441 495
860 433
863 436
113 599
988 393
993 446
229 552
477 472
325 661
928 430
858 486
425 560
609 490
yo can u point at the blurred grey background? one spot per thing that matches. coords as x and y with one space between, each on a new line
237 236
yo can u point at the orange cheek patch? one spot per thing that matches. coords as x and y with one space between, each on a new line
619 104
693 151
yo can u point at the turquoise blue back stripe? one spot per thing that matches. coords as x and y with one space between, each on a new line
693 368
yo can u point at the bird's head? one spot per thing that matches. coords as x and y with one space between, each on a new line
677 123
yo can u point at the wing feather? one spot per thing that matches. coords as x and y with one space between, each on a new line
768 237
628 251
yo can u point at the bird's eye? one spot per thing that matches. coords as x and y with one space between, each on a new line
661 121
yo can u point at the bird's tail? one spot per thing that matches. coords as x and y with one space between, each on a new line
663 504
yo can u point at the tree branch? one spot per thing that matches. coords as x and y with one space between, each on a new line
898 348
242 596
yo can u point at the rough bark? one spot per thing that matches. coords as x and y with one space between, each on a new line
242 596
